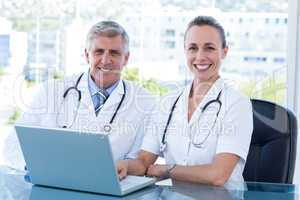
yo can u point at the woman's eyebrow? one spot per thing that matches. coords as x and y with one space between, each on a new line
98 49
205 44
209 44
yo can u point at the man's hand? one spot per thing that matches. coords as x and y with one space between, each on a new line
157 170
122 168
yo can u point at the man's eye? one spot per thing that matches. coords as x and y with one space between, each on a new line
192 48
99 52
115 53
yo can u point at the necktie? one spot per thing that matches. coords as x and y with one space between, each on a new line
101 96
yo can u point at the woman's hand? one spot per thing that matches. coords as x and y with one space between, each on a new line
157 170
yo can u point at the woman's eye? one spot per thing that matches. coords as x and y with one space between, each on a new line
211 48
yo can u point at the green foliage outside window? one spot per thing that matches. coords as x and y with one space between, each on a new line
13 118
271 89
2 72
152 85
23 24
58 75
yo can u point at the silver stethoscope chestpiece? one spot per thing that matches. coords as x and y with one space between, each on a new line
200 146
107 128
163 147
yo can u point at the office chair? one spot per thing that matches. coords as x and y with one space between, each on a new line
272 152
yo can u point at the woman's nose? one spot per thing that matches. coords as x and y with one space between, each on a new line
200 54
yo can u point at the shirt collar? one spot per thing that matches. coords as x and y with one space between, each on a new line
212 93
93 88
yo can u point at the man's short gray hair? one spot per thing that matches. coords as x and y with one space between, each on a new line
107 29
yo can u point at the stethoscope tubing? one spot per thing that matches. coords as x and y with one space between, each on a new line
217 100
107 127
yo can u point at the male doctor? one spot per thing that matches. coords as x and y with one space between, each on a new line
98 99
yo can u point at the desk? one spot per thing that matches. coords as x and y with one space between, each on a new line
14 187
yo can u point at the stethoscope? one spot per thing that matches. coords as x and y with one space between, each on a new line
163 144
107 127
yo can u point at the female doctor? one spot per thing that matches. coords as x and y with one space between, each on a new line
97 100
204 131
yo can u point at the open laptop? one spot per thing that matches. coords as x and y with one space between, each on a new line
74 160
46 193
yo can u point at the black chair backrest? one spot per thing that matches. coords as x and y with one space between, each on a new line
272 152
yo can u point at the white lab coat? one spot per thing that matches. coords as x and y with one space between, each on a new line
230 134
128 126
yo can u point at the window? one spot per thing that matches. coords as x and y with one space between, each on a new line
169 44
267 20
170 32
278 60
51 35
4 50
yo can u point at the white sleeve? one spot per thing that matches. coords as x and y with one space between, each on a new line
236 129
134 150
30 108
32 112
141 131
151 141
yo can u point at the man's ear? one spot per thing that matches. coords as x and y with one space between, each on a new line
86 55
127 57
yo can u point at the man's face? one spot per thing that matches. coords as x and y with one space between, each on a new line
107 57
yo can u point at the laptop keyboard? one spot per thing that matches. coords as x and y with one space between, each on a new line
132 181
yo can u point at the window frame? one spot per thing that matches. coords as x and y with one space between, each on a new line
293 71
293 62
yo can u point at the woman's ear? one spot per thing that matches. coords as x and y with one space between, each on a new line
225 51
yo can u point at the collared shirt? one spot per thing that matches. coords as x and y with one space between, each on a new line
230 133
93 88
48 106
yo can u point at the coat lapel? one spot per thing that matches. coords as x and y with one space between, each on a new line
86 106
113 100
211 95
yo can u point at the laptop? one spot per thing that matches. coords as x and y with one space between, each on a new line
76 160
47 193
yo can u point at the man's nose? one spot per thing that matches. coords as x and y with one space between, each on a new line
106 58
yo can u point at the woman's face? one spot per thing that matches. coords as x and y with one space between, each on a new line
204 52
